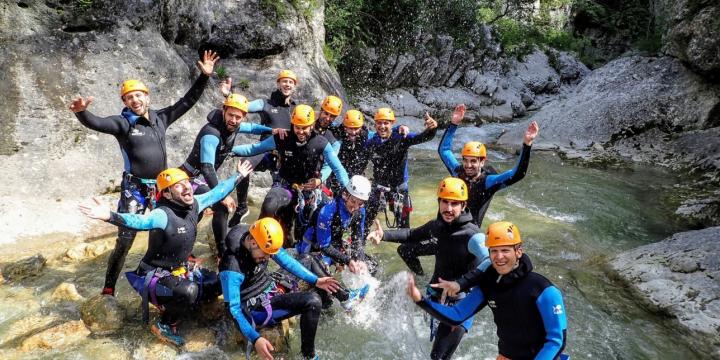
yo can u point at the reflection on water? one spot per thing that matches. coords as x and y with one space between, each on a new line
571 218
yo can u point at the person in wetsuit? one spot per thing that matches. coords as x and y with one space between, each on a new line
388 153
252 296
212 146
274 113
140 132
163 276
459 248
302 154
527 308
336 236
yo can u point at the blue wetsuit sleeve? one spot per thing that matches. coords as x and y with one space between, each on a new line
253 128
326 170
476 246
445 150
231 282
287 262
218 193
507 178
256 106
156 219
552 310
208 146
248 150
458 313
332 160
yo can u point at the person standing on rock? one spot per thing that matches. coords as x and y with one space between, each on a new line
388 153
482 180
212 146
295 193
527 308
252 296
274 113
140 132
164 276
458 246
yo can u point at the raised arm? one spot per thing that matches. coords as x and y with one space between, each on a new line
256 106
114 125
248 150
156 219
507 178
552 310
427 134
175 111
224 188
445 150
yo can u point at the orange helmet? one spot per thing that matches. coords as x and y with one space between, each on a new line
452 188
289 74
332 105
133 85
303 115
474 148
502 233
353 119
385 114
268 233
170 177
237 101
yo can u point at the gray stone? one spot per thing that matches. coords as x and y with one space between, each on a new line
102 314
536 73
693 33
677 276
25 268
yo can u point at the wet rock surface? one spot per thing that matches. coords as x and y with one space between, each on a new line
102 314
25 268
679 277
58 337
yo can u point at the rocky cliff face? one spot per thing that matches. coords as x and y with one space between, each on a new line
55 50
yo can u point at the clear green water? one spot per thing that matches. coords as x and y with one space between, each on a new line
571 218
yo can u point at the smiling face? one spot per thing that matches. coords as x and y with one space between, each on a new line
302 132
233 118
137 101
352 133
181 192
352 203
286 86
472 165
505 258
450 209
383 128
325 119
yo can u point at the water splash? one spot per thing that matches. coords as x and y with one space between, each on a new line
547 212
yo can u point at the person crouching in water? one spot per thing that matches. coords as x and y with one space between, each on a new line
251 294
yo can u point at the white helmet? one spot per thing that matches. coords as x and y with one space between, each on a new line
359 187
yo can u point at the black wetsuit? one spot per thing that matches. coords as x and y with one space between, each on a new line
142 143
452 243
256 285
353 155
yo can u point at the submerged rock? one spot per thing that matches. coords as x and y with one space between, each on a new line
58 337
679 277
66 292
102 314
85 251
28 267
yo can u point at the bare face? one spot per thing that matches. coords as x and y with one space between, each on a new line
450 209
302 132
233 118
352 133
137 101
325 119
472 165
383 128
181 192
352 203
286 86
505 258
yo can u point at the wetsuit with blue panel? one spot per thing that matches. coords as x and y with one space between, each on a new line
527 308
299 162
459 247
481 188
253 297
335 237
142 144
390 170
163 277
213 145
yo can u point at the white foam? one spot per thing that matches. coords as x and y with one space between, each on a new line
547 212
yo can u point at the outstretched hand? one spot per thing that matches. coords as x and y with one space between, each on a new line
245 168
207 64
531 133
96 210
226 87
404 130
263 347
450 288
280 132
79 104
375 236
328 283
357 267
412 290
430 123
458 114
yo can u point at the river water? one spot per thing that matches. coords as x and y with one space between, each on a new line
572 219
